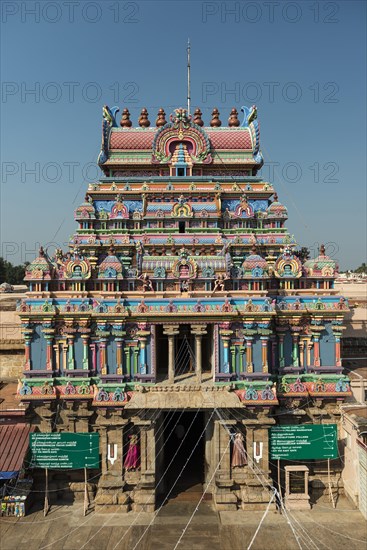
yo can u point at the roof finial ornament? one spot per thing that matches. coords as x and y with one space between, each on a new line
215 121
197 117
322 250
125 121
275 197
161 118
233 118
144 122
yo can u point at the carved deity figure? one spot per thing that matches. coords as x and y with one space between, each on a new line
184 285
219 282
147 283
238 455
132 460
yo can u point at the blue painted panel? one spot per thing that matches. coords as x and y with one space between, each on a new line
78 352
327 347
288 344
38 349
256 354
148 356
111 356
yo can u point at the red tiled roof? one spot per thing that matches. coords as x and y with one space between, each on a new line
131 139
230 139
14 443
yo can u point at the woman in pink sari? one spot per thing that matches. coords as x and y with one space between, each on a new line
133 455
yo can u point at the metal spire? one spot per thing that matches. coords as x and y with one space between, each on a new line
188 77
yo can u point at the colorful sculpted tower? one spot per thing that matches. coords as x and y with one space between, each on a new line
181 291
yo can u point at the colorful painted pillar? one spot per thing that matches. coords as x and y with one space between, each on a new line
316 350
93 348
103 356
249 360
242 350
273 352
233 358
302 346
281 350
27 333
225 333
85 362
308 353
142 335
135 359
264 353
49 354
70 353
127 361
338 361
119 361
295 349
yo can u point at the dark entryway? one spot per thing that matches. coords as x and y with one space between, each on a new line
181 432
161 353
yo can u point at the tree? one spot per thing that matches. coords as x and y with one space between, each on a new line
361 269
12 274
303 254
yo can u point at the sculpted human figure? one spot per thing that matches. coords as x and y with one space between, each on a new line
147 283
238 455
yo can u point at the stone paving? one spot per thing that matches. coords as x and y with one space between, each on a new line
65 528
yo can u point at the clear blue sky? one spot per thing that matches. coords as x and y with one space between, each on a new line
303 64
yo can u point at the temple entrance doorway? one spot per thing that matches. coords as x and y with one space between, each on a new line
161 354
207 345
184 353
183 435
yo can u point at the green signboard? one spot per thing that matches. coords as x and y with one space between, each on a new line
64 450
303 442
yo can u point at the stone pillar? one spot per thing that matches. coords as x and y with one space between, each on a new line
171 331
224 497
110 495
198 331
144 495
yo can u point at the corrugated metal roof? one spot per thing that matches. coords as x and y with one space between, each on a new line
14 443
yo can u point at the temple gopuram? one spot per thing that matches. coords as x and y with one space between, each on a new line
182 315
